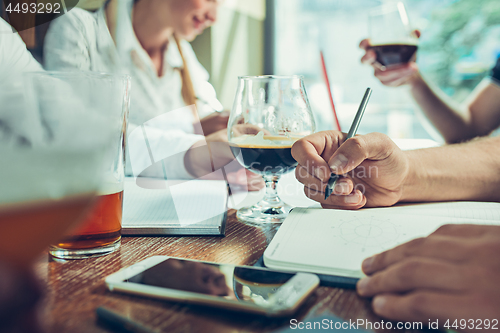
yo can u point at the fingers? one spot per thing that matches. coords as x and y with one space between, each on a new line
396 76
217 136
412 274
310 152
437 247
254 182
365 44
212 123
344 186
370 58
392 76
465 230
247 129
216 115
355 200
244 179
343 196
307 154
420 306
373 146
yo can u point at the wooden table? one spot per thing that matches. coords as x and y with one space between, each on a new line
74 289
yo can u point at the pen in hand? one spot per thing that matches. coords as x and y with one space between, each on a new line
352 132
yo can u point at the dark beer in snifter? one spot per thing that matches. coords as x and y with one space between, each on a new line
391 54
271 157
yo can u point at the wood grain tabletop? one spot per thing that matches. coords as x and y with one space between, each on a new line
75 288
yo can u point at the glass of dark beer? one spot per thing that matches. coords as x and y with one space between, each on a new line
391 36
64 97
269 114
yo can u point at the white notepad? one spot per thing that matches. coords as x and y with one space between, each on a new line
174 207
336 242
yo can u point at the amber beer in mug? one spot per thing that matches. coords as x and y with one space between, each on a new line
29 226
50 184
99 231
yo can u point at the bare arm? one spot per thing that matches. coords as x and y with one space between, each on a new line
484 107
468 171
477 116
213 153
377 173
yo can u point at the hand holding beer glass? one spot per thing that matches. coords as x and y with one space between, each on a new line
392 44
269 114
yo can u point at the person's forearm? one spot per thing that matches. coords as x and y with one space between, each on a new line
198 160
450 122
468 171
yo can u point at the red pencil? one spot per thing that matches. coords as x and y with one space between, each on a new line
327 81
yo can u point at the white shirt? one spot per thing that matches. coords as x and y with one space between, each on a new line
14 57
17 122
160 124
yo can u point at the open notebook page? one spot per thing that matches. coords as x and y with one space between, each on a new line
462 209
164 203
337 241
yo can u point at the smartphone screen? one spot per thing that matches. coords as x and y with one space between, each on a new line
243 284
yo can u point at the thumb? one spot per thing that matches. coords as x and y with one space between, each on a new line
364 44
373 146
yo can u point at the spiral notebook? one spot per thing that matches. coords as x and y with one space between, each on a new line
174 207
336 242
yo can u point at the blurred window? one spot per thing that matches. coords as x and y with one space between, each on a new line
460 43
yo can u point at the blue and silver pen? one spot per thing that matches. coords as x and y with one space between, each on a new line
352 132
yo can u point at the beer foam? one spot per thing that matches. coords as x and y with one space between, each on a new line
261 140
40 174
110 185
409 42
66 153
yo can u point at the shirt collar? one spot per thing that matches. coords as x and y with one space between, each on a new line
173 56
127 43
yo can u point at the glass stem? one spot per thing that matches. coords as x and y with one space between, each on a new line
271 197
